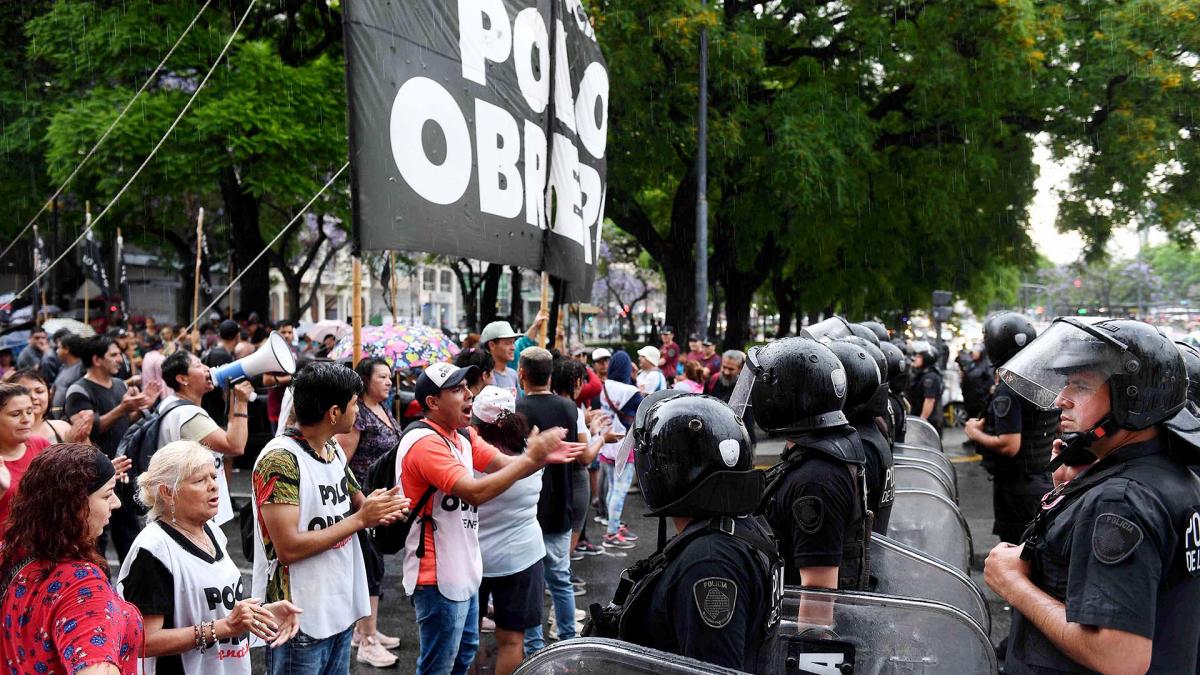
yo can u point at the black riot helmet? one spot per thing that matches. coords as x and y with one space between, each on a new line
861 331
1191 362
1005 334
828 329
693 458
798 384
1143 370
862 371
897 365
880 330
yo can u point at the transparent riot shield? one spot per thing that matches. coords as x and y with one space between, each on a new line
874 634
598 656
912 477
948 479
919 432
897 569
931 523
936 456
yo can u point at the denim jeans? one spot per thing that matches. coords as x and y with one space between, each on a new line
304 655
617 490
557 568
449 632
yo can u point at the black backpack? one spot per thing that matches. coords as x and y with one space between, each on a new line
140 441
389 539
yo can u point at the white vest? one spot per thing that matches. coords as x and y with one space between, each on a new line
455 529
169 430
204 591
331 587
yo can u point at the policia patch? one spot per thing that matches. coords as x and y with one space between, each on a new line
1114 538
716 598
809 513
1001 405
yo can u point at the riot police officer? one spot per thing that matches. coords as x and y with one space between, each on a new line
1191 361
866 403
925 390
1015 436
714 591
1106 578
816 499
897 376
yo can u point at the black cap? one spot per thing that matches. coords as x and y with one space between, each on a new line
668 329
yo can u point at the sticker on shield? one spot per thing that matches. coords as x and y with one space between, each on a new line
809 513
716 598
1114 538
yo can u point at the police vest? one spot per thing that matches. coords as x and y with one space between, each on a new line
203 591
622 618
897 419
855 571
881 496
331 586
1039 428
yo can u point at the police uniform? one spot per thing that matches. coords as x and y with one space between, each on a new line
1120 546
1019 482
927 384
880 471
897 419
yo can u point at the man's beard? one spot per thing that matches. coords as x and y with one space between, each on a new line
728 381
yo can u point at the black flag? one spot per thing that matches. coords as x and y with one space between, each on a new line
385 280
122 276
93 265
39 267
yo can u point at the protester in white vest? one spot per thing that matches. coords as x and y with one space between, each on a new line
442 563
179 575
189 380
308 508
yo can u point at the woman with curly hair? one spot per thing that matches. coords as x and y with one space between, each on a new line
58 612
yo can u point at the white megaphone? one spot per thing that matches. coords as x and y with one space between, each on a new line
273 357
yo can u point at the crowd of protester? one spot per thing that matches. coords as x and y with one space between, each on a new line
522 443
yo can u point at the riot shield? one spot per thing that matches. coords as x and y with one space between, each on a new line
931 523
913 477
936 456
919 432
604 657
948 479
897 569
874 634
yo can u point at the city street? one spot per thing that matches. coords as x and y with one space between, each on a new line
602 572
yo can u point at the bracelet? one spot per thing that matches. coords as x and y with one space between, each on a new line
212 631
199 644
238 414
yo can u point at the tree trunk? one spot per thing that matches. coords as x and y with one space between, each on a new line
491 289
242 209
516 312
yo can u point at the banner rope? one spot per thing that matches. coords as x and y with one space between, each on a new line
246 268
106 133
187 106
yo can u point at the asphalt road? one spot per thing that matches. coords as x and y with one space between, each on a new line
602 572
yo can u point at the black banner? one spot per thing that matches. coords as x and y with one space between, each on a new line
477 125
40 261
93 263
122 278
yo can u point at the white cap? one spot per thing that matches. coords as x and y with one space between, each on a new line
650 353
493 402
497 330
601 353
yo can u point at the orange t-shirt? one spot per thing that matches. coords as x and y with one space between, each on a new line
430 462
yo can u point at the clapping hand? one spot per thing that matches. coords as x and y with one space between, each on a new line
250 616
383 507
122 465
81 426
287 617
600 425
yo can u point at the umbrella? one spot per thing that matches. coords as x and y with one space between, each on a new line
402 347
14 341
79 328
26 312
319 330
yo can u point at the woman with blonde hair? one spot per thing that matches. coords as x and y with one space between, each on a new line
179 574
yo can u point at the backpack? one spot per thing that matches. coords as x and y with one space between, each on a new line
381 475
140 442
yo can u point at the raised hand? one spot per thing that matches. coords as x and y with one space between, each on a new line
81 426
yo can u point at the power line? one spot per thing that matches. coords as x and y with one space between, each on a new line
106 133
263 252
153 152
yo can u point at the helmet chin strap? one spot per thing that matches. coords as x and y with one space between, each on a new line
1076 446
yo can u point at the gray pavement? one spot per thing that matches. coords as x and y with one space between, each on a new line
602 572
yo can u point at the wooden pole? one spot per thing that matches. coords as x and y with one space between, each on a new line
355 297
544 308
196 283
87 296
392 268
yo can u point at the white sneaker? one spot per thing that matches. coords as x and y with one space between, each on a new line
580 615
372 653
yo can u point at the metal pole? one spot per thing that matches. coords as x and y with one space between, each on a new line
701 316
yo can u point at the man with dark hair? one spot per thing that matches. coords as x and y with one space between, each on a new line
184 419
220 354
308 509
545 410
113 407
122 338
71 350
33 353
51 363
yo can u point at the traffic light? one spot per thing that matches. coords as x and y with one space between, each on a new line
941 305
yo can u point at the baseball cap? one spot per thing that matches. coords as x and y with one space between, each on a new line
497 330
437 377
668 329
601 353
493 402
578 348
650 353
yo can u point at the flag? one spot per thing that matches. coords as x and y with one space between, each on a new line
205 284
39 267
122 276
385 280
93 265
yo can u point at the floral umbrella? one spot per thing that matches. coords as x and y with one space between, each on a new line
402 347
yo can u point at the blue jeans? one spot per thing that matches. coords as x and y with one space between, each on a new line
449 632
617 490
304 655
557 568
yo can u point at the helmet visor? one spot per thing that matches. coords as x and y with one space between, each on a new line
739 399
1070 363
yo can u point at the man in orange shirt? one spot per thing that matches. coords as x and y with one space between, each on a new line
442 563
